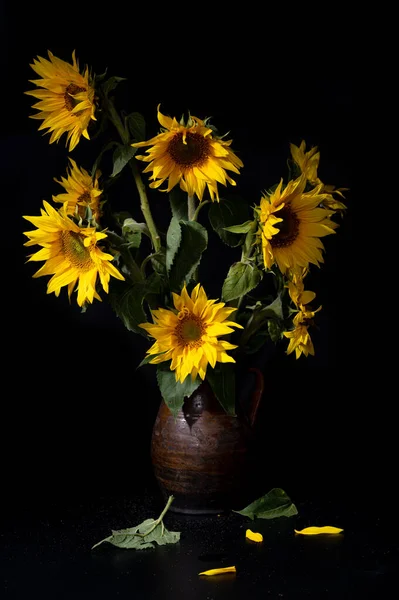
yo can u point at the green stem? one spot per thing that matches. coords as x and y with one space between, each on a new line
145 261
117 121
191 208
246 252
144 204
134 269
145 207
200 205
159 520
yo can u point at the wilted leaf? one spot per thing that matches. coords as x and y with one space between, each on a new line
274 504
254 537
145 535
221 571
318 530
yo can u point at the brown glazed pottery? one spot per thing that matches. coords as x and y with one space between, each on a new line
203 456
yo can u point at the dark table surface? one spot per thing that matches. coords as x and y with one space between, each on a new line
49 556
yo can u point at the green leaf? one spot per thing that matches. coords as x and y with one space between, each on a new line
136 125
145 535
274 504
241 279
222 382
173 239
132 231
271 311
256 341
178 203
261 315
99 157
111 84
226 213
147 358
173 392
127 301
275 330
158 261
121 156
194 240
243 228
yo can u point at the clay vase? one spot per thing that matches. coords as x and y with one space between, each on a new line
203 456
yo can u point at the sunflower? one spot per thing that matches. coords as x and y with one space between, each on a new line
308 163
190 155
296 289
300 339
188 336
71 253
66 100
291 223
82 191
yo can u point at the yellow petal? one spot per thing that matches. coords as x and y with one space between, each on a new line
218 571
318 530
254 537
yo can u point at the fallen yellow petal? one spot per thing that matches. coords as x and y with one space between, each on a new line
218 571
317 530
255 537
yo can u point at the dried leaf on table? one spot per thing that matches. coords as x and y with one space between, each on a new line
145 535
274 504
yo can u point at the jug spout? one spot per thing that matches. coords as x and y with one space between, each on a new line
256 396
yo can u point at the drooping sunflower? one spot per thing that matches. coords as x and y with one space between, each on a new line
299 337
81 191
291 223
296 289
67 100
190 155
72 254
308 163
188 336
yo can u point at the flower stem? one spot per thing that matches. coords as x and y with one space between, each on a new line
200 205
144 204
191 208
145 207
159 520
135 273
246 252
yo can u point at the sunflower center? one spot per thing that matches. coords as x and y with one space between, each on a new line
191 153
71 90
288 228
84 198
75 250
189 329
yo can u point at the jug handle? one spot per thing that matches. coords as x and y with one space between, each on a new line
256 396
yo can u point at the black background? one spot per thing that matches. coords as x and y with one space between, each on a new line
76 416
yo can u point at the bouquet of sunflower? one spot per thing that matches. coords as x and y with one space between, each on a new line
157 286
